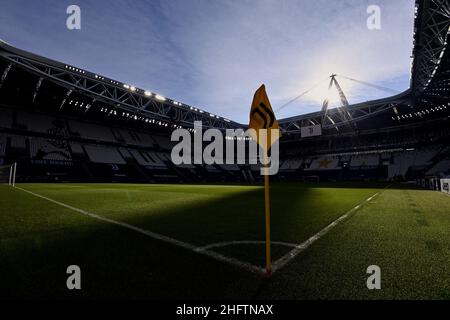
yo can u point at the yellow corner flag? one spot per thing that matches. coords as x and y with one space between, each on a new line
262 117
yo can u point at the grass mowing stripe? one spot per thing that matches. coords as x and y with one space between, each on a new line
284 260
188 246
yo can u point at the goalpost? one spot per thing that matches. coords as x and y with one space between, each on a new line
8 174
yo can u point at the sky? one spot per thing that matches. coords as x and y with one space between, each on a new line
213 54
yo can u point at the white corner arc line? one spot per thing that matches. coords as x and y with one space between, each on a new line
243 265
238 242
284 260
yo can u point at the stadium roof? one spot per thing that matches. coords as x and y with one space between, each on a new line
99 88
430 81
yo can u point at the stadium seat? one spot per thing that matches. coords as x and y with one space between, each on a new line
48 149
102 154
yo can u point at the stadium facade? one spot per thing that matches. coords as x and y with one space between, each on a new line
63 123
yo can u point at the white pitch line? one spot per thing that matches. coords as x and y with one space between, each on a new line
284 260
185 245
238 242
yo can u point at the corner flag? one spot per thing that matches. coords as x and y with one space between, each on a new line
262 117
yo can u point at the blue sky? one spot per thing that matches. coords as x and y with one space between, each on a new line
214 54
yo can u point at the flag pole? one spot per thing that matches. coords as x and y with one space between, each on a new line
267 205
262 120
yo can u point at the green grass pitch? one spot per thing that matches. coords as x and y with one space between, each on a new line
405 231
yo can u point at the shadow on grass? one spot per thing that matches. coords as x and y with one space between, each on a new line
120 263
115 263
297 212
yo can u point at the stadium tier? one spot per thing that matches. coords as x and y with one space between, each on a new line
59 146
63 123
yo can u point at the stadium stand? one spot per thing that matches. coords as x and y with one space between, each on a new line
91 131
90 136
364 160
291 164
125 153
6 117
76 148
18 142
403 161
2 145
225 167
134 138
442 168
147 158
102 154
163 142
39 123
46 149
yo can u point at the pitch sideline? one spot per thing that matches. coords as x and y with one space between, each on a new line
284 260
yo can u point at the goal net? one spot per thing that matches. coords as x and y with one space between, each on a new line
8 174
